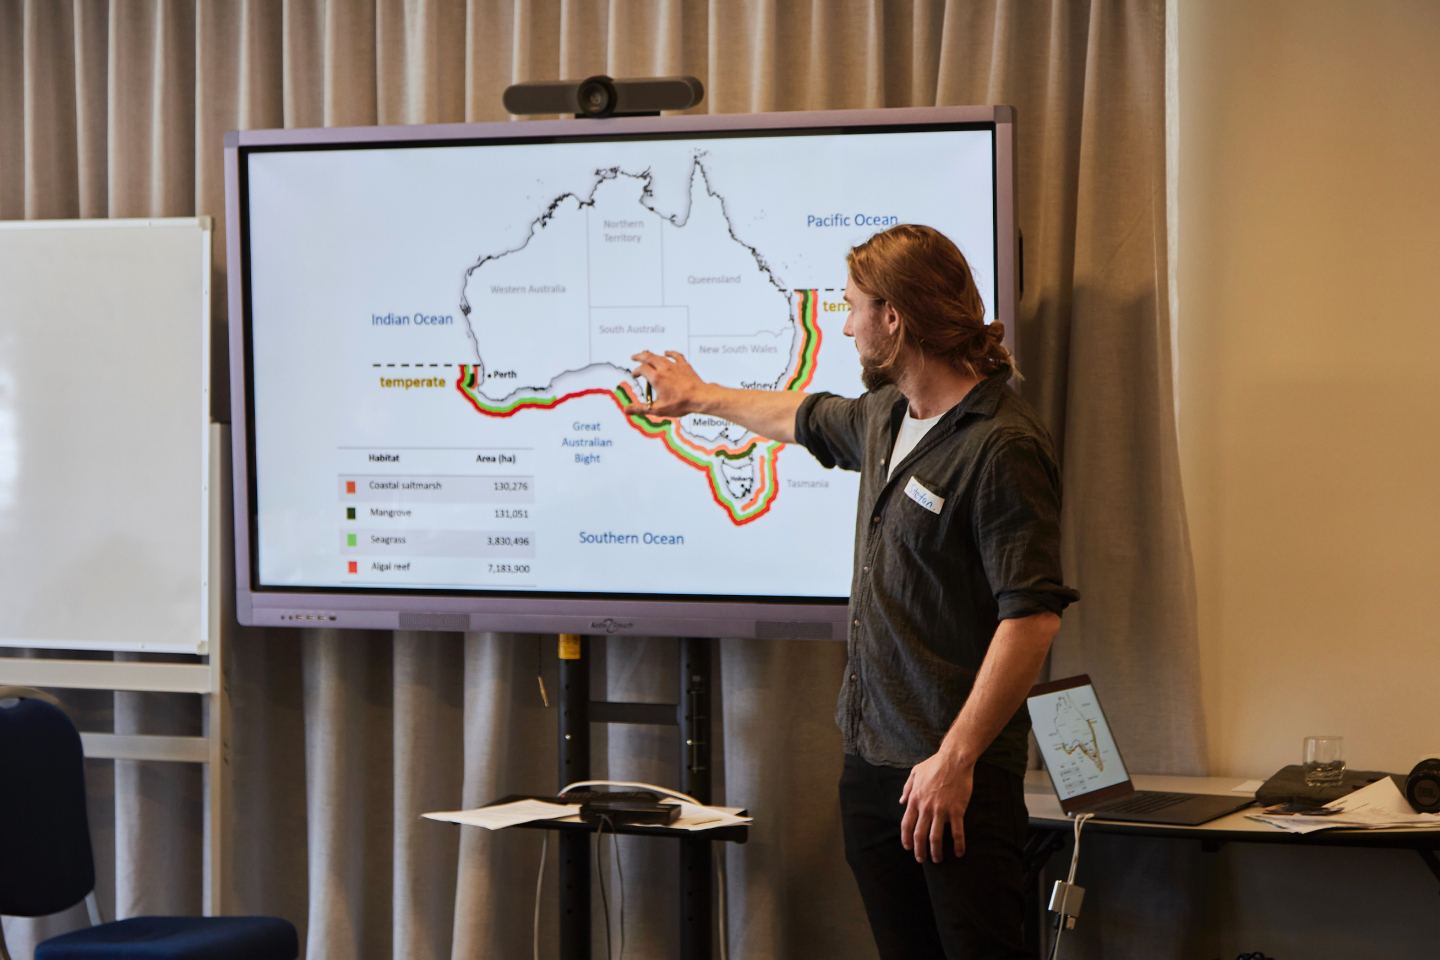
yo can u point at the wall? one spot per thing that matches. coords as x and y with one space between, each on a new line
1309 252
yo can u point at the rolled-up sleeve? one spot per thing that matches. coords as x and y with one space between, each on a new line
1017 529
832 428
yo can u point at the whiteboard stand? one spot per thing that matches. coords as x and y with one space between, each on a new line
113 481
206 679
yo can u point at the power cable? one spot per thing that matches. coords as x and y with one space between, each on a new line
1065 898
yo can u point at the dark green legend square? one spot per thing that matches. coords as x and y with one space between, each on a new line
349 513
349 539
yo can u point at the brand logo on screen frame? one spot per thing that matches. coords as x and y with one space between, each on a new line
610 625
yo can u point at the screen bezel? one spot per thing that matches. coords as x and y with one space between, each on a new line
625 614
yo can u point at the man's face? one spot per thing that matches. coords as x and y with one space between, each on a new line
870 326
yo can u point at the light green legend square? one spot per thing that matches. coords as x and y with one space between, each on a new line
349 539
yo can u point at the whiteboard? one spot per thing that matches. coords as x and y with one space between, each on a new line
104 434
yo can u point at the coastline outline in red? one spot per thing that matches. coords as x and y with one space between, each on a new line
709 460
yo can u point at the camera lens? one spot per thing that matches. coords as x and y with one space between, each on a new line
1422 787
596 96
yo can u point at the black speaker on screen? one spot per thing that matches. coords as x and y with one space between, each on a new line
602 96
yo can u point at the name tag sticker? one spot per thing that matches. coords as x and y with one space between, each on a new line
916 491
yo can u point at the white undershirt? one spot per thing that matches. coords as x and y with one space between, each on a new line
912 431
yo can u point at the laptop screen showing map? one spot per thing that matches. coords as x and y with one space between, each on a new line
1085 766
1074 738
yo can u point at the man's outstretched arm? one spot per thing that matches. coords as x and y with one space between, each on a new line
678 390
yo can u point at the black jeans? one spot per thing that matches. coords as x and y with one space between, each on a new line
971 907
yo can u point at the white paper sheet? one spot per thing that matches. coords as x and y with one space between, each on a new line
695 817
507 814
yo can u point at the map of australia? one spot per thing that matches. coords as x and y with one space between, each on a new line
1075 733
605 273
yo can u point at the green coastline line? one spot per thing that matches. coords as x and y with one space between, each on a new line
467 387
665 431
764 452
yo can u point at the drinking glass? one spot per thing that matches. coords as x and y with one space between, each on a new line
1324 761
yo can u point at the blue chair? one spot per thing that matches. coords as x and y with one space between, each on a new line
46 864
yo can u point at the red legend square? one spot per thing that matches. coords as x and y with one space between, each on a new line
354 566
349 486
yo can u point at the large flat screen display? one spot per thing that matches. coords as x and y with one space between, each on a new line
432 332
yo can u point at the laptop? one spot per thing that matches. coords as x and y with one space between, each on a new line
1085 766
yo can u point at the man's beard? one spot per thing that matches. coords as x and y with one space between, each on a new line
874 376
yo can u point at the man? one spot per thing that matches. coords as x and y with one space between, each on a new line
956 594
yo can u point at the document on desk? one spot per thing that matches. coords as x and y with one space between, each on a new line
1379 806
696 817
503 815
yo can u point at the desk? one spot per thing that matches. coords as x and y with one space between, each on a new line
1049 828
1046 815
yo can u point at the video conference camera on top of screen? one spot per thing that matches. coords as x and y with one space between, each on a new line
602 96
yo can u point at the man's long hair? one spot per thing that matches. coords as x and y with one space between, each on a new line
922 274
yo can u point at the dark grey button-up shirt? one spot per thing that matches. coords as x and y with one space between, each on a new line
965 533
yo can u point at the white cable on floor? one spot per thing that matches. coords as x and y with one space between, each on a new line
539 879
600 876
724 920
620 883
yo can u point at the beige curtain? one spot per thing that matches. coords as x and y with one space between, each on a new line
340 740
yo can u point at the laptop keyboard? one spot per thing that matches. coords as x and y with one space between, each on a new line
1144 802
